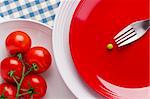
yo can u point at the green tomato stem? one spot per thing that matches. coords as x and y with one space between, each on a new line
15 79
23 90
22 78
34 67
11 73
24 93
30 70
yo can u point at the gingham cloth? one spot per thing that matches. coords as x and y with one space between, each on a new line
41 10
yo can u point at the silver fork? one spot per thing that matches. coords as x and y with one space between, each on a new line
132 32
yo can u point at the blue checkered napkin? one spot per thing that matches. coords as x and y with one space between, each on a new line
41 10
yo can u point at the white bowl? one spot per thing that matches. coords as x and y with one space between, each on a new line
65 63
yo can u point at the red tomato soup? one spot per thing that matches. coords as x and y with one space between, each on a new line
94 27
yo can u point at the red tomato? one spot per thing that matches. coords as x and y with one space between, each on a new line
36 85
18 42
39 56
7 91
11 64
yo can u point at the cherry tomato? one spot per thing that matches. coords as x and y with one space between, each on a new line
35 85
11 67
18 42
39 57
7 91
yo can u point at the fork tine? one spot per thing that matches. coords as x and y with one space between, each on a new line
130 40
126 38
123 31
125 34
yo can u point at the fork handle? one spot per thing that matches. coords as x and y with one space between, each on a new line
146 24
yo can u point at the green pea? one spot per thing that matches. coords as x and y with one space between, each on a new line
110 46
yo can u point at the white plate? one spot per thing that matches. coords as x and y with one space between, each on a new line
64 60
62 54
40 34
